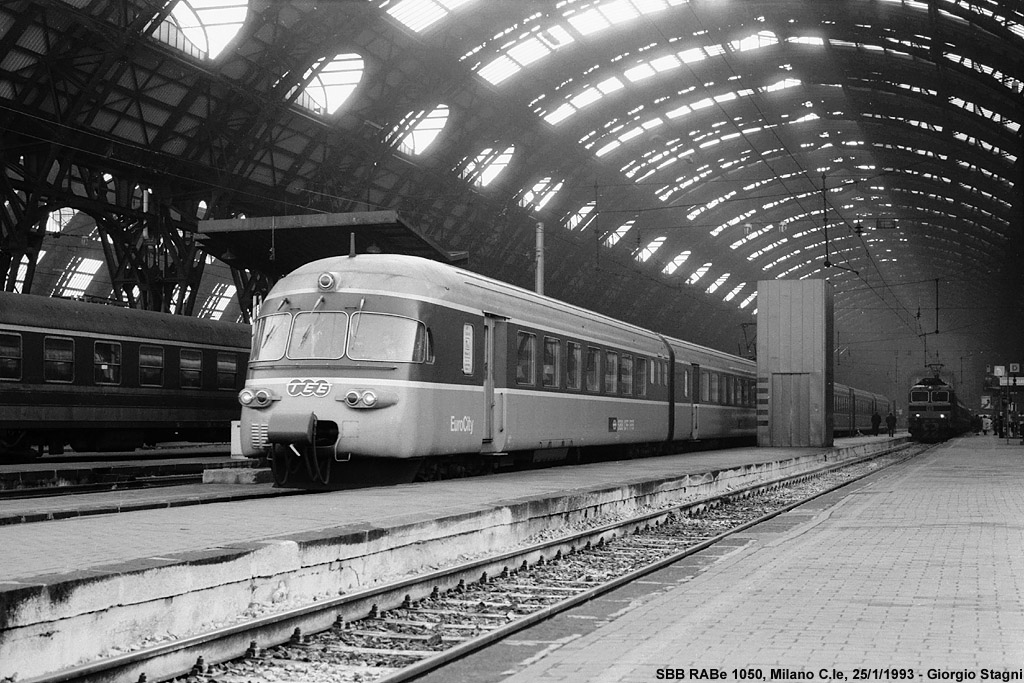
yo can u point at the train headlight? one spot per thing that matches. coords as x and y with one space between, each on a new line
246 397
262 398
942 416
325 282
369 399
352 398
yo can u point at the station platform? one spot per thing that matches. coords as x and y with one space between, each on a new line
911 574
118 579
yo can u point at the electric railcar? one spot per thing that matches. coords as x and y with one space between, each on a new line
935 412
385 359
102 378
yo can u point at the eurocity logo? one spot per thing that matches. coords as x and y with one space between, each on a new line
309 387
462 424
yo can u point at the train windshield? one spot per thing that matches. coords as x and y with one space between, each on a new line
919 396
374 336
940 397
318 335
270 336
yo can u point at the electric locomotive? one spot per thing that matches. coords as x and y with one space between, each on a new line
935 412
377 363
103 378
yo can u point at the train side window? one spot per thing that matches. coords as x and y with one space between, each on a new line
705 386
227 370
593 369
611 372
641 375
715 396
526 358
10 356
573 366
151 366
552 363
626 375
686 383
58 359
191 368
106 362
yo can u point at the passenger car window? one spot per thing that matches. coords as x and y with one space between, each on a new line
593 369
106 363
641 376
227 370
611 372
551 376
573 366
151 366
525 358
10 356
58 359
191 368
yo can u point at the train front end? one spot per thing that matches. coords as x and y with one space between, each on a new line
340 388
931 410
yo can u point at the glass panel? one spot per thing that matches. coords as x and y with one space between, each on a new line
552 362
573 361
641 375
106 363
151 366
376 336
191 368
525 355
227 370
940 397
270 336
611 372
319 335
705 386
58 360
10 356
626 375
919 396
593 369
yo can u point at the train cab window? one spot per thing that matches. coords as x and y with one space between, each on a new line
151 366
626 375
191 368
611 372
551 375
10 356
526 358
270 336
382 337
227 370
106 363
641 376
318 335
58 359
573 366
918 396
593 369
940 397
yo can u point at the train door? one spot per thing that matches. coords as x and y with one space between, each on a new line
694 402
495 381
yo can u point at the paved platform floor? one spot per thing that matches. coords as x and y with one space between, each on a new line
68 545
919 568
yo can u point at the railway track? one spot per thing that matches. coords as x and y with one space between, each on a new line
396 632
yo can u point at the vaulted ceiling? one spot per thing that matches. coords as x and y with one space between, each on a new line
675 151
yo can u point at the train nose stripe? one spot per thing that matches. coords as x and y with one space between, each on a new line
291 428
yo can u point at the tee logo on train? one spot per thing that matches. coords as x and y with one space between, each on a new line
309 387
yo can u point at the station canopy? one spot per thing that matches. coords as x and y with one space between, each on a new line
675 152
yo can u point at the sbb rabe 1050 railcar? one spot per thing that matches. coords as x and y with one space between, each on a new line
934 411
101 378
390 360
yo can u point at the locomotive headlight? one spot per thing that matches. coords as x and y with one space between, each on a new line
262 397
246 397
352 398
369 399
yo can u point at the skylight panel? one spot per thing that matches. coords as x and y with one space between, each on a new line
528 51
619 233
487 165
746 302
541 193
652 248
419 15
560 114
589 21
610 85
421 129
639 72
588 96
501 68
19 282
698 274
581 219
674 264
718 283
214 306
735 291
78 276
331 83
608 148
619 11
692 55
203 28
758 40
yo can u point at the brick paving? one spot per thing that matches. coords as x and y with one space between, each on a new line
920 568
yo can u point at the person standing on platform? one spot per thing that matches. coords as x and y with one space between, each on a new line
876 421
890 422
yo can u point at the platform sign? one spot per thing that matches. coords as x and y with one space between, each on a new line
999 370
1014 368
1011 381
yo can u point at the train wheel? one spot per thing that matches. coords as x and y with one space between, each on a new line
15 442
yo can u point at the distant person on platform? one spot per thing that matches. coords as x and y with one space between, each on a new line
876 421
890 422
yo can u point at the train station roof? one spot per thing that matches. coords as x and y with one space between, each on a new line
676 151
